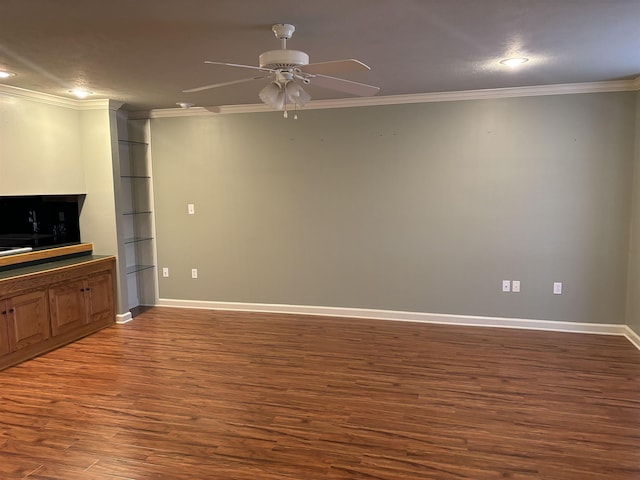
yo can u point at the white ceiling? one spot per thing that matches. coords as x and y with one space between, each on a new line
145 52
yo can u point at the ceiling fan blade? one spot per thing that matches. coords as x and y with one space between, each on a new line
239 65
337 66
224 84
346 86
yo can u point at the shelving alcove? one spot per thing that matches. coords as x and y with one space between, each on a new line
137 227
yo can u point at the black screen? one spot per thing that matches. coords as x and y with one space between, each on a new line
39 220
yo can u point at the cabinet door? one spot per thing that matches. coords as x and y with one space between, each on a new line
4 332
99 289
67 306
28 319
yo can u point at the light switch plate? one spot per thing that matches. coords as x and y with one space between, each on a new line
557 288
515 286
506 285
165 272
191 208
194 273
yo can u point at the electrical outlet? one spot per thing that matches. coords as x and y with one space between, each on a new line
557 288
194 273
191 208
506 285
165 272
515 286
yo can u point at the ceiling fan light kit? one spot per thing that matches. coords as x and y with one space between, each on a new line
297 95
273 96
278 95
286 69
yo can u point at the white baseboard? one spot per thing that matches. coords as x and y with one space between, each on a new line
466 320
123 318
632 336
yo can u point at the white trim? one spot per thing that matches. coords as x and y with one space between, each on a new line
100 104
540 90
8 90
88 104
122 318
462 320
632 336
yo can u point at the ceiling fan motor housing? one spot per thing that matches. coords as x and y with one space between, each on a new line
283 59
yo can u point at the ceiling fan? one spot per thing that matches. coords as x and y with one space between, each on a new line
287 69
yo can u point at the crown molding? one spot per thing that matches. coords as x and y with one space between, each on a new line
539 90
54 100
39 97
223 109
99 104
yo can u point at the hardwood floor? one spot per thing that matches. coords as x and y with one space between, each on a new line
196 394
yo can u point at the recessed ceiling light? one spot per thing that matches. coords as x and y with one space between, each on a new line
80 93
514 61
5 74
184 104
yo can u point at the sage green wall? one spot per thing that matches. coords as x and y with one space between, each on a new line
54 149
422 207
40 149
633 296
98 216
97 221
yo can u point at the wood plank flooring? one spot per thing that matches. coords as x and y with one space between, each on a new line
196 394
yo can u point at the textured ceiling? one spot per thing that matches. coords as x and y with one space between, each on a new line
145 52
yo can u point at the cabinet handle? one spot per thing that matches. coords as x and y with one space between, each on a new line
82 289
11 310
4 312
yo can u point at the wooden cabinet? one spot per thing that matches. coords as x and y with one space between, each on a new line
27 319
80 302
99 293
67 306
49 307
4 335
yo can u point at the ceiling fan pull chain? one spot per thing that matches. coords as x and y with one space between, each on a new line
284 90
